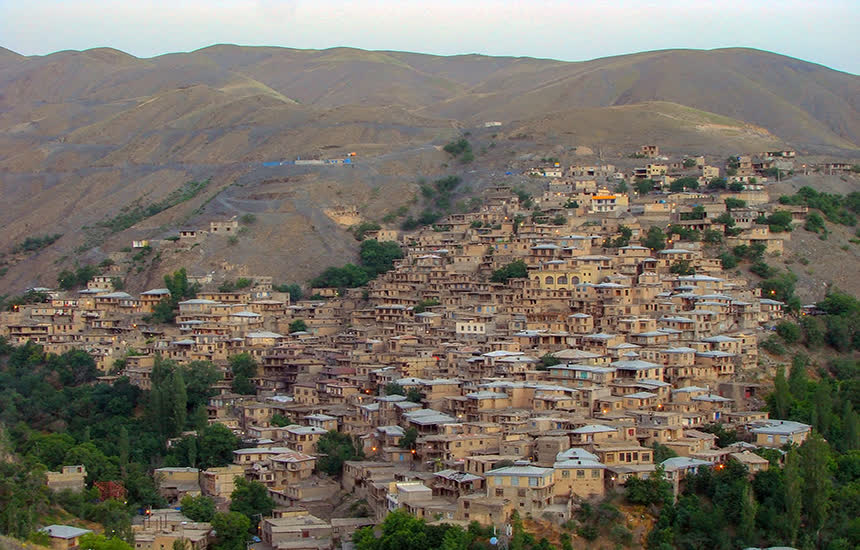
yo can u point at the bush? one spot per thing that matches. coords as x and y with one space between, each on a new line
655 239
457 148
588 532
32 244
335 448
780 221
814 223
298 326
733 203
762 269
730 261
788 331
772 345
514 270
364 227
644 186
711 236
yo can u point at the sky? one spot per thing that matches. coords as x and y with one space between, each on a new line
822 31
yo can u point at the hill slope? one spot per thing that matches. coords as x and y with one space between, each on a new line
85 134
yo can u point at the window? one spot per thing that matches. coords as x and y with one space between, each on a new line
533 482
500 492
515 481
565 473
580 474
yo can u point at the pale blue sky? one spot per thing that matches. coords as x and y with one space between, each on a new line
826 32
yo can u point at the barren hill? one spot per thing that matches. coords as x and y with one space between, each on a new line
84 135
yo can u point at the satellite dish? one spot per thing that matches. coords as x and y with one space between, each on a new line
494 541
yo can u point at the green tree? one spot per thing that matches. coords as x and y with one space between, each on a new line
814 223
124 447
298 326
294 290
378 257
733 203
798 381
232 529
644 186
655 238
779 221
514 270
216 444
100 467
251 499
200 508
815 459
681 184
244 368
813 334
711 236
654 490
199 378
91 541
414 395
793 494
179 401
408 439
717 183
682 267
788 331
781 397
393 388
336 448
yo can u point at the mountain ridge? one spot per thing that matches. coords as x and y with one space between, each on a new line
84 134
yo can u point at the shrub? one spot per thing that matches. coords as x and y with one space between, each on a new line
514 270
733 203
788 331
762 269
772 345
814 223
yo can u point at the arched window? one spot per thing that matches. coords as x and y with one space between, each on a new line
548 280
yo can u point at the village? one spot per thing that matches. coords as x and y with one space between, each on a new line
523 357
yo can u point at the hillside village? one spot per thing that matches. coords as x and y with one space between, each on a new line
523 357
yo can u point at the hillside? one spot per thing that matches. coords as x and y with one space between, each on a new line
85 134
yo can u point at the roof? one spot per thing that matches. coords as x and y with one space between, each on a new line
579 463
780 427
458 476
64 531
682 463
575 453
263 334
637 364
526 471
641 395
486 395
593 429
117 295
